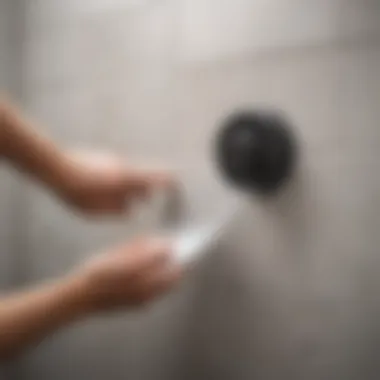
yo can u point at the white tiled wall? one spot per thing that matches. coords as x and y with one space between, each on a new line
290 294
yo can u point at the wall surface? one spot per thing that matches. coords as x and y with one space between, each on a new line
4 189
290 293
11 74
11 189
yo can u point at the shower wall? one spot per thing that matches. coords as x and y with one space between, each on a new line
290 293
11 34
4 191
11 193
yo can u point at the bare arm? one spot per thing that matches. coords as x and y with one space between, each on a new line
92 183
29 150
126 276
26 318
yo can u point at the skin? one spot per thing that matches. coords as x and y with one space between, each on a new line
127 276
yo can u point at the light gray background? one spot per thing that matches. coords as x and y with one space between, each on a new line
292 290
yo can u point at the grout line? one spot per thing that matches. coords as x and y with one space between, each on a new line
276 53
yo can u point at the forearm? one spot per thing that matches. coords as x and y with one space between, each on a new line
30 151
27 318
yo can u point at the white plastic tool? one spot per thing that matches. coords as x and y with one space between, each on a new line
192 240
191 244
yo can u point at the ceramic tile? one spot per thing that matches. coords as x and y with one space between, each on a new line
211 30
295 273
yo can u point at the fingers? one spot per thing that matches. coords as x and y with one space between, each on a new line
164 279
159 282
131 275
152 259
151 270
142 181
136 186
147 254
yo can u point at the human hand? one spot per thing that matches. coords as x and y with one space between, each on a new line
102 184
131 275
